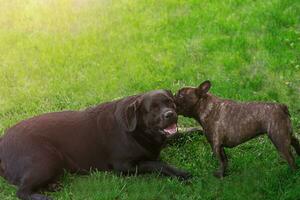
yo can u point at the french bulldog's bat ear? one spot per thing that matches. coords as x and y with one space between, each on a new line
203 88
131 113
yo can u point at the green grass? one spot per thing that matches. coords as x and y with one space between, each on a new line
71 54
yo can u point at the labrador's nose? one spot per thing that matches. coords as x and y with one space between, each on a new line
169 114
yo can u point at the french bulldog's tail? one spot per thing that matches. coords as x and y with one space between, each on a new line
285 110
294 140
295 143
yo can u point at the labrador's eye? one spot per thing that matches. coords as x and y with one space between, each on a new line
180 96
167 101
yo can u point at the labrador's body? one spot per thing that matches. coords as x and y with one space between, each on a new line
126 135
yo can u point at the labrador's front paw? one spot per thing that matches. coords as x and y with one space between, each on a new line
184 176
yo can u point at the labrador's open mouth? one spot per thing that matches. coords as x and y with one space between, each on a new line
170 130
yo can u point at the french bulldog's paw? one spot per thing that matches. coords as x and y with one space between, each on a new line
219 174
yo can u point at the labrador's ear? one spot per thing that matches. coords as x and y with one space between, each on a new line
131 115
203 88
169 92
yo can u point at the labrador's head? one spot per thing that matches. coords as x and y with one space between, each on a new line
153 111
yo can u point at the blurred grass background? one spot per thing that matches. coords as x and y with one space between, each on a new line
71 54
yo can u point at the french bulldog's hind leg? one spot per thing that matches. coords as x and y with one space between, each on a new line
295 144
283 145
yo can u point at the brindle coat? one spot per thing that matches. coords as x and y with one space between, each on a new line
227 123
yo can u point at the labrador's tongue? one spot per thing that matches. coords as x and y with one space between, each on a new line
172 129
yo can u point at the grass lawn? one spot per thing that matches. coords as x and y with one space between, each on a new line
71 54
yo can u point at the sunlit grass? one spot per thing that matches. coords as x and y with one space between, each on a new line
70 54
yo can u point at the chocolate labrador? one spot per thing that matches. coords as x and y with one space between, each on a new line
125 136
227 123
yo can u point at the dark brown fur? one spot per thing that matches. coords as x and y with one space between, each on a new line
227 123
123 136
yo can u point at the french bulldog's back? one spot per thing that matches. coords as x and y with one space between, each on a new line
238 121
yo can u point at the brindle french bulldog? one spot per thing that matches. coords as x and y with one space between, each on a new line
227 123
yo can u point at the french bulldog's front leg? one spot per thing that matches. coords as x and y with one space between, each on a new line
222 158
